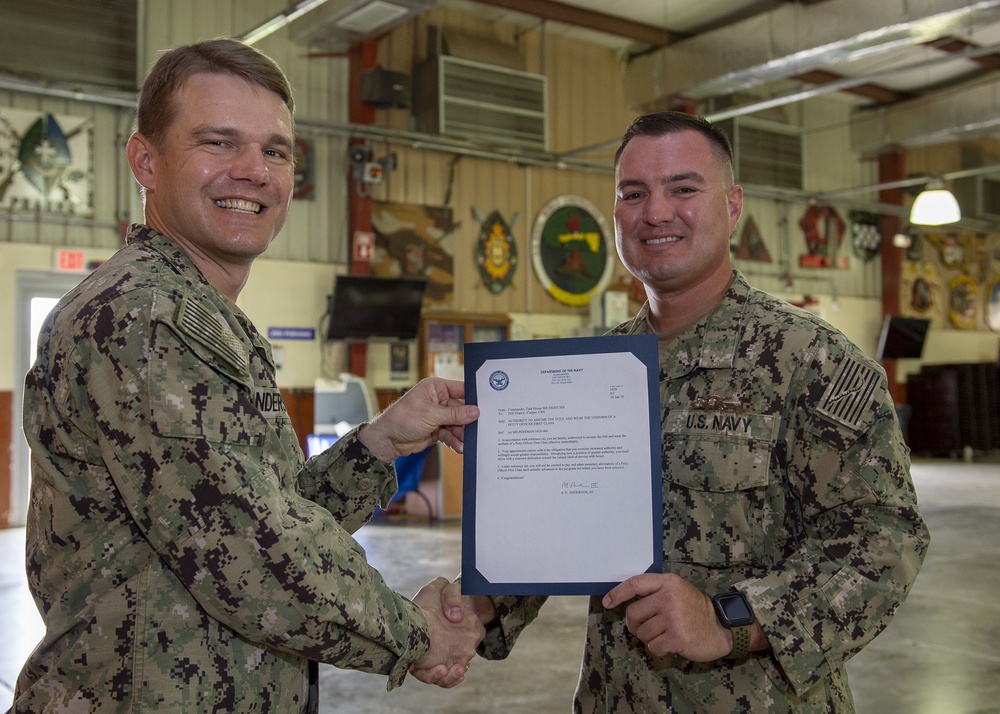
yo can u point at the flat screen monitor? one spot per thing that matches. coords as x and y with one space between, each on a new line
316 444
902 337
342 403
364 307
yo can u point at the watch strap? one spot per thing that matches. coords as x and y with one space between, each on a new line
741 642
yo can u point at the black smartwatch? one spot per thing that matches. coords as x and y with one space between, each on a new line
735 614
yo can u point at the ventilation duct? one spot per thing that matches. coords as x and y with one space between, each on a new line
765 153
958 112
481 102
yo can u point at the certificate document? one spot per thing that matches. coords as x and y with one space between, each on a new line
562 491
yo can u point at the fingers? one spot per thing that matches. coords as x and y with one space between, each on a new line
484 608
431 594
452 644
669 614
453 604
441 676
454 677
453 437
430 675
637 586
448 597
445 399
464 414
659 646
432 410
450 388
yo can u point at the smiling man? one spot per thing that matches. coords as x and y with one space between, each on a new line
218 177
791 532
183 554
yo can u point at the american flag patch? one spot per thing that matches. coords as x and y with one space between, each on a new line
850 392
205 326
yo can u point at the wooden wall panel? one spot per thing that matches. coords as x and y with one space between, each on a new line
300 404
586 108
487 186
315 230
583 81
934 159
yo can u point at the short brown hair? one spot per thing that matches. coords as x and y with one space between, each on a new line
155 109
661 123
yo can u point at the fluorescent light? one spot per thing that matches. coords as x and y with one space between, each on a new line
935 206
264 29
302 8
280 20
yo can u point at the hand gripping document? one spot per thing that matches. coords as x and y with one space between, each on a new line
562 480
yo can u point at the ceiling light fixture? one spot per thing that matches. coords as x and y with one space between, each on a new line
935 206
274 24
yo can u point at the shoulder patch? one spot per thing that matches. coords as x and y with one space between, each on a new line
850 392
203 325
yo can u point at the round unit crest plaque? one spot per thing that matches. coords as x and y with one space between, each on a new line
569 249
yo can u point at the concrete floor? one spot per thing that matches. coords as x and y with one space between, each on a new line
941 655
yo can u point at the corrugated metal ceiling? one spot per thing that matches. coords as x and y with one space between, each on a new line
893 56
890 57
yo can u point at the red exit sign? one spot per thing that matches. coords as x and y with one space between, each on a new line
76 260
71 261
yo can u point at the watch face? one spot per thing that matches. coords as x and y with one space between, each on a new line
733 610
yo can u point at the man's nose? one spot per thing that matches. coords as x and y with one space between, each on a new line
251 165
658 209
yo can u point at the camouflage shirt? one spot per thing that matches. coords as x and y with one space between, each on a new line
785 476
183 555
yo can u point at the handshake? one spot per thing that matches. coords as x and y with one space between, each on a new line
456 625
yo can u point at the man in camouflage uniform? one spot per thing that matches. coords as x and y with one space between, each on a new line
786 481
182 553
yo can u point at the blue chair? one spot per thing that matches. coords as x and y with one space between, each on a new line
409 470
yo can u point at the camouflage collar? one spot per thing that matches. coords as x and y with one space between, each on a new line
723 327
711 342
175 255
183 265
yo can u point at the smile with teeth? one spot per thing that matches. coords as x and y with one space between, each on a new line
238 204
664 239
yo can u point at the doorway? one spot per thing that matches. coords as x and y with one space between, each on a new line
36 293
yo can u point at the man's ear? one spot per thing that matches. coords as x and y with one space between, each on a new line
735 202
142 158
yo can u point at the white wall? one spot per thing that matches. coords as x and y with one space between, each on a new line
14 257
283 293
290 294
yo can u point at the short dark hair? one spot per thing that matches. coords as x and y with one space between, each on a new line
661 123
155 108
